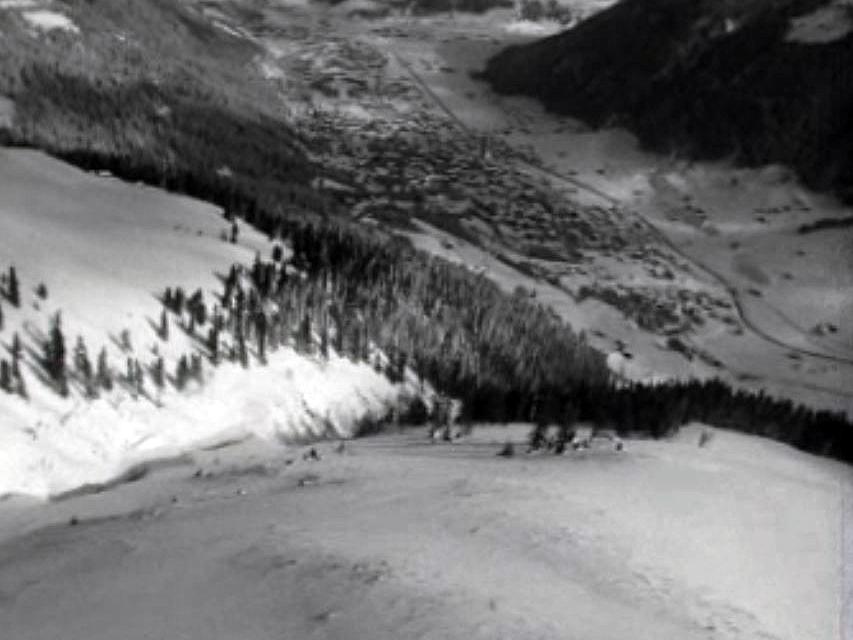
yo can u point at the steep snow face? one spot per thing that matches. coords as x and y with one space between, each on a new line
105 250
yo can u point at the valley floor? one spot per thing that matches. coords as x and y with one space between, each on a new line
397 537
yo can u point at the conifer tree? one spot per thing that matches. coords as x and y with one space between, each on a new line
138 378
158 372
84 367
566 433
261 328
303 336
242 351
54 357
104 375
5 376
281 281
178 300
16 353
257 270
201 313
14 293
182 372
164 325
213 343
230 285
196 368
324 336
20 384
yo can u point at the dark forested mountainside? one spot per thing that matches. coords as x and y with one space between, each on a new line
153 85
191 118
702 78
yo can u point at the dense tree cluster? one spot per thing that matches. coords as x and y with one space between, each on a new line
505 356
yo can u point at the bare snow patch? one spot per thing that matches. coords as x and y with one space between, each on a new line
17 4
827 24
270 70
45 20
531 28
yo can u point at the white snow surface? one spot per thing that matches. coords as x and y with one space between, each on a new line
105 249
47 20
396 537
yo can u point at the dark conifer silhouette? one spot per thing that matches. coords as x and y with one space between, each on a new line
83 367
261 329
138 378
213 343
178 299
13 293
164 325
196 368
158 372
5 376
104 374
182 373
54 356
16 353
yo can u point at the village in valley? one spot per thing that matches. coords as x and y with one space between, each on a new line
392 156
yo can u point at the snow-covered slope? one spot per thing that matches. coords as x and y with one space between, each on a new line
105 250
395 537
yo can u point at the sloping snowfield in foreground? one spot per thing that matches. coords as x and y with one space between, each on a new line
395 537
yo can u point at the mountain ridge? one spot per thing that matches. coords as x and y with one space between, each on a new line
704 80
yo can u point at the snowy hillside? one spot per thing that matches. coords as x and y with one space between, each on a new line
105 250
394 537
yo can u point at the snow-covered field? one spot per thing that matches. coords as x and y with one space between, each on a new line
396 537
105 250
